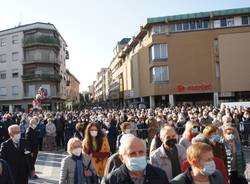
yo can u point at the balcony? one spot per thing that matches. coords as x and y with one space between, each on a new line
42 77
27 62
41 40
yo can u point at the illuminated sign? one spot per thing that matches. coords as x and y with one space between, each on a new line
193 87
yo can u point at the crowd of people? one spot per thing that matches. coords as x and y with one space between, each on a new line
185 144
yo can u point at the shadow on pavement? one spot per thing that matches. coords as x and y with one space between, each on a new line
43 181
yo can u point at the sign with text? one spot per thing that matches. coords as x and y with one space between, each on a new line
193 87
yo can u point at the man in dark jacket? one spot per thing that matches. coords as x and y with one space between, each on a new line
33 141
135 169
5 173
59 123
16 153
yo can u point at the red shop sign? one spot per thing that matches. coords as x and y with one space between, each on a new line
195 87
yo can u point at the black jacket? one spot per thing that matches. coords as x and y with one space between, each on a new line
154 175
18 159
32 138
6 175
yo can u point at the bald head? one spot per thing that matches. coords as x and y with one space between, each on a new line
13 129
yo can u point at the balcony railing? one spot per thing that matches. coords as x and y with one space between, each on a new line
41 40
35 77
41 62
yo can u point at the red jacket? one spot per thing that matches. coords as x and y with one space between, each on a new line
219 166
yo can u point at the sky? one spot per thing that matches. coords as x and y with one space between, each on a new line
92 28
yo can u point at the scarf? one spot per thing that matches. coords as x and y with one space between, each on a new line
174 158
78 175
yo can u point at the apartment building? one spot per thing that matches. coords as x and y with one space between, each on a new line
195 58
100 86
72 85
31 56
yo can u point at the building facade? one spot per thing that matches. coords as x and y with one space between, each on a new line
100 86
32 56
194 58
73 96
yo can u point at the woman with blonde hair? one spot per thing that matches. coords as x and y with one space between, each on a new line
96 145
192 129
77 167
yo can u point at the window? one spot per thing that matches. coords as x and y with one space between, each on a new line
14 90
186 26
14 56
158 29
199 24
2 42
217 70
244 20
230 22
172 27
31 90
3 91
2 58
192 25
159 51
15 73
159 74
223 23
205 24
179 27
15 39
2 74
216 23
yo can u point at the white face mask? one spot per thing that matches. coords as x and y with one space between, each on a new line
16 138
127 131
229 137
33 126
77 151
93 133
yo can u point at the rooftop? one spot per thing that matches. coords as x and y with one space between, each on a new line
217 13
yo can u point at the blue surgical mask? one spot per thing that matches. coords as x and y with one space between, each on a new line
215 138
195 130
137 163
209 168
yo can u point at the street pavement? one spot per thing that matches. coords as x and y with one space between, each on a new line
48 166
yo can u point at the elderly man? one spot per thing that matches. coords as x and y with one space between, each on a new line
33 141
135 169
16 154
170 155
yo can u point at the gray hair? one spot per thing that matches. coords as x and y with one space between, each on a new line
126 138
164 130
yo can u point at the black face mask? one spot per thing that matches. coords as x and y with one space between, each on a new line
171 143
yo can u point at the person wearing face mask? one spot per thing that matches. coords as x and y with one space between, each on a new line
170 155
80 128
191 130
16 153
212 133
200 138
77 168
203 169
135 169
236 163
125 128
96 145
33 141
